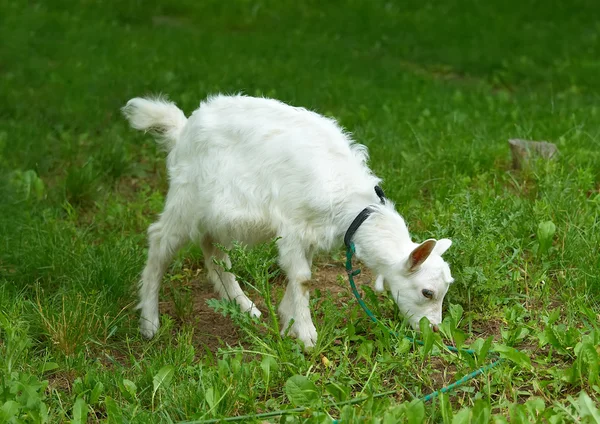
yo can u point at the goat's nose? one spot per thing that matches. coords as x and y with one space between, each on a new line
435 328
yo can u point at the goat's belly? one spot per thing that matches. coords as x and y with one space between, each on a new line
250 226
249 233
251 238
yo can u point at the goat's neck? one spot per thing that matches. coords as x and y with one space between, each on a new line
382 241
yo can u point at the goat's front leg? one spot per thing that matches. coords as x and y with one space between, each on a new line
295 303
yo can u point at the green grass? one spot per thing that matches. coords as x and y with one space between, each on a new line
434 90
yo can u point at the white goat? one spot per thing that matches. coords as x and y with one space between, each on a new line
252 169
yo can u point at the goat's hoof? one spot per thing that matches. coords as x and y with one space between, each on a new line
247 306
309 343
254 312
148 328
307 335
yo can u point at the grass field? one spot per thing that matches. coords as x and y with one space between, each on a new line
434 89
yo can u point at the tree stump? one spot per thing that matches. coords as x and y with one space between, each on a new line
523 151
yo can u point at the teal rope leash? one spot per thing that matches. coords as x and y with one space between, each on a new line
354 272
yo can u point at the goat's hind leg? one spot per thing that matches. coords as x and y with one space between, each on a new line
165 239
224 282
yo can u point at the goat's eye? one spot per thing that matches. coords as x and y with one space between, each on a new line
427 293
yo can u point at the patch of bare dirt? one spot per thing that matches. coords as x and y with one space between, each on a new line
331 276
211 329
61 380
488 327
444 373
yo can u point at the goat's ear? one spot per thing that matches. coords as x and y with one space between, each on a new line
420 254
441 246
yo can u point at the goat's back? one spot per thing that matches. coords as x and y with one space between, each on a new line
257 168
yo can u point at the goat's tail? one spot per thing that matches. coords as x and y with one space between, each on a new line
159 116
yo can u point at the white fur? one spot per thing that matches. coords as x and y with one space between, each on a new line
251 169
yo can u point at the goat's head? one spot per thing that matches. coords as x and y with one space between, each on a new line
419 282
